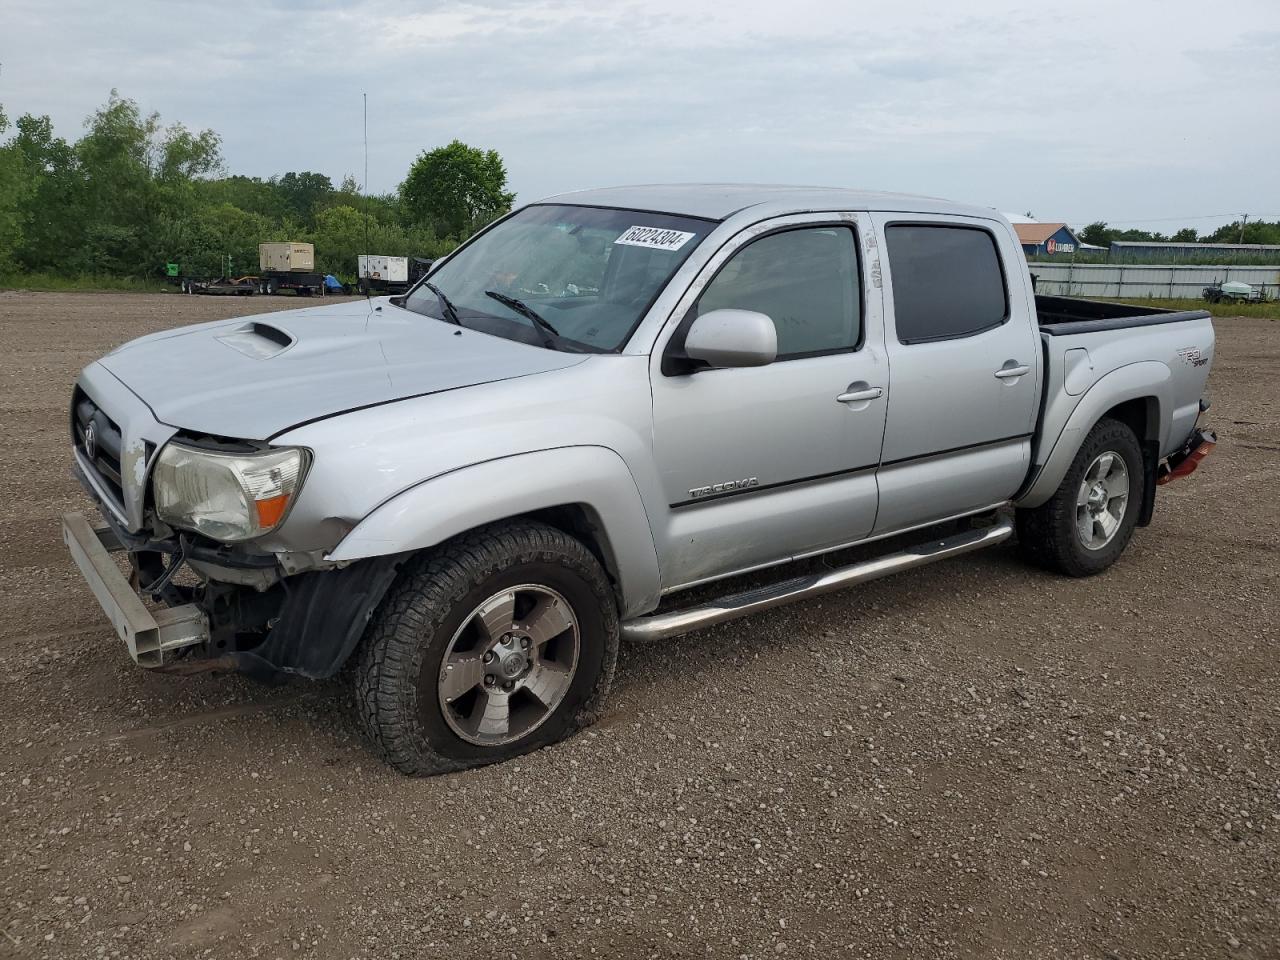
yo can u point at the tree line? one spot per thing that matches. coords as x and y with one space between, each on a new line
1253 231
134 193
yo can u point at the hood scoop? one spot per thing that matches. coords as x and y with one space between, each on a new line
258 340
253 377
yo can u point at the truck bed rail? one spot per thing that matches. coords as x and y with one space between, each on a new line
1063 316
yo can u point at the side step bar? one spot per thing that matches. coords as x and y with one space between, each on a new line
664 625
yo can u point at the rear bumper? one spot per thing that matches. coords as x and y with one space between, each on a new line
152 636
1184 462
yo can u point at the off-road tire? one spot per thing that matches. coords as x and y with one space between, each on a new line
1047 534
399 659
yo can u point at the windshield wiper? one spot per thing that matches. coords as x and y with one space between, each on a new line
450 313
526 311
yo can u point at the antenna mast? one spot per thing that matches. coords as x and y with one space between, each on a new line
364 190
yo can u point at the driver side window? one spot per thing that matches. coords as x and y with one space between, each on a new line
806 280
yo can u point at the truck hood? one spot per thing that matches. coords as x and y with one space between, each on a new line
253 377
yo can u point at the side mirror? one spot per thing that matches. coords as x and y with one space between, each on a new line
732 338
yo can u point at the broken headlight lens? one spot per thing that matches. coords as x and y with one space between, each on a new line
226 497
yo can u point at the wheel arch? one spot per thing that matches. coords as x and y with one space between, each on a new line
582 522
1142 416
1139 395
587 492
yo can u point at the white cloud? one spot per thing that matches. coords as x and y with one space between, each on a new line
1097 109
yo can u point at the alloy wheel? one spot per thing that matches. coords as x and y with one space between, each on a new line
509 665
1102 500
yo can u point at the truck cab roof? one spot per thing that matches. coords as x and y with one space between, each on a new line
719 201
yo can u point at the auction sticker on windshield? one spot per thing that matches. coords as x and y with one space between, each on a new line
655 237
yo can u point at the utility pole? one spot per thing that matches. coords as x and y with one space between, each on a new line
1244 220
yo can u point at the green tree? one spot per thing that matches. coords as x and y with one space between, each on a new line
1095 233
132 193
385 207
343 233
119 196
455 189
1255 231
137 175
1186 235
304 193
1136 234
339 238
203 240
51 222
14 187
180 156
251 194
1099 234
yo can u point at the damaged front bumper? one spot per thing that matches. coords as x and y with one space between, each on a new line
260 611
153 637
264 622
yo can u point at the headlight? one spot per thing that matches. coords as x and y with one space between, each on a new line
226 496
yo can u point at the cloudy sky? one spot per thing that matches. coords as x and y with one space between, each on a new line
1078 110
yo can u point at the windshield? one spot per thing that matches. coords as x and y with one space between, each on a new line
586 274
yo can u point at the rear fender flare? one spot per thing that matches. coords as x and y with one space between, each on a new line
1147 378
595 478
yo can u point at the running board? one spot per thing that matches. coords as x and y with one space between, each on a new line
665 625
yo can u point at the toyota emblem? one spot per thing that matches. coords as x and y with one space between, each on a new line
91 441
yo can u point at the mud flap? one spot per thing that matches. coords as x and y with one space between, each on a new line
323 617
1150 469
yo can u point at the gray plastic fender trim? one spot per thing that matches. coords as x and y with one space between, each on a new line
1148 378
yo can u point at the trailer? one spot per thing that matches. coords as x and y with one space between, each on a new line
288 266
379 274
219 286
281 266
1234 291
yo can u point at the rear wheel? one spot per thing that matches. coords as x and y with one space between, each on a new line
498 643
1087 523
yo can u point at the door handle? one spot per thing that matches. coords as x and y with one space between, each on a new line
854 396
1004 373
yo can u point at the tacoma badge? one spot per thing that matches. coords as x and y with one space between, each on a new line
729 486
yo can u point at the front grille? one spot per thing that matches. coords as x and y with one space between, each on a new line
86 418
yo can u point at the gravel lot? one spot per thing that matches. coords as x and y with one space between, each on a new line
974 759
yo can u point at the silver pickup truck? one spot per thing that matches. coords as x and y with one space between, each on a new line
472 492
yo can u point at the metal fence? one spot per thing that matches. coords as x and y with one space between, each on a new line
1144 280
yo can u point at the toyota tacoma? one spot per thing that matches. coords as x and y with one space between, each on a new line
469 494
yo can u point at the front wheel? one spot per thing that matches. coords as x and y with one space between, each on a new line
1085 526
496 644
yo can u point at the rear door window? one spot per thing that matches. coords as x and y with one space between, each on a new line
947 281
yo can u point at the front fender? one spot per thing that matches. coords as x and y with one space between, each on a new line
1147 378
595 478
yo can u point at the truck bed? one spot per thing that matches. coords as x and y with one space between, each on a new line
1098 354
1061 316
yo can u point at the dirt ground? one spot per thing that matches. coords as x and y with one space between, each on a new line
972 760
